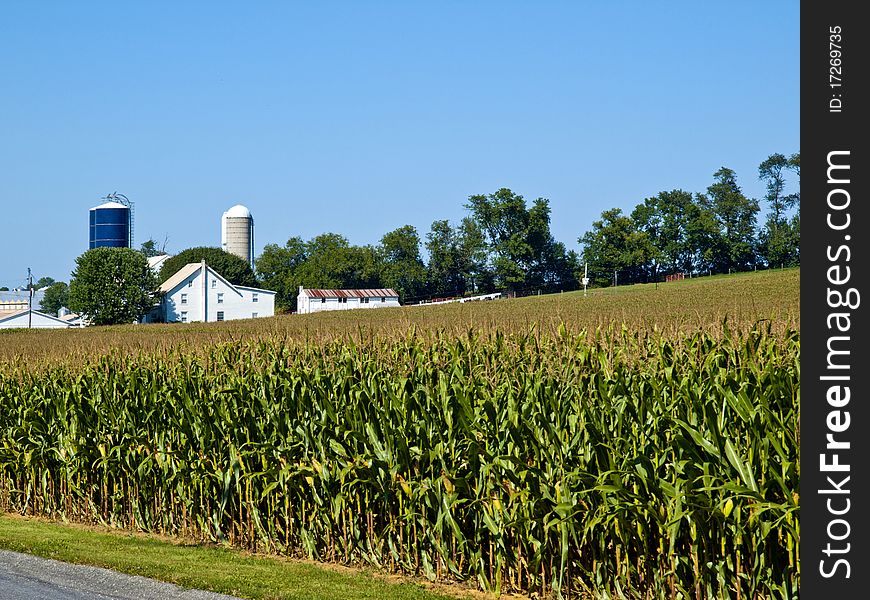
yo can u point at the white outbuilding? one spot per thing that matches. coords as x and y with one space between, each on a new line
317 300
24 319
199 293
155 262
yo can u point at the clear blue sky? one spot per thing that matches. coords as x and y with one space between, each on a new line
360 117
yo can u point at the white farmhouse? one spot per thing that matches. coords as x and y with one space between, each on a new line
199 293
315 300
24 319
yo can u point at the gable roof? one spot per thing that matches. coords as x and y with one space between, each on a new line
12 316
189 269
368 293
180 275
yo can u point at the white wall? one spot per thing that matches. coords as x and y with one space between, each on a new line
202 298
39 321
306 305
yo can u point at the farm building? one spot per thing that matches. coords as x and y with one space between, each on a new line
314 300
199 293
25 319
155 262
19 299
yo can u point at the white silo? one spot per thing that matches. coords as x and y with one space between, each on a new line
237 233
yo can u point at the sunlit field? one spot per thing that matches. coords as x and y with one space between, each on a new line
641 440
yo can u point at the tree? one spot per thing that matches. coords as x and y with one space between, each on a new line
615 246
277 269
112 285
522 251
471 253
443 276
43 282
4 289
232 268
55 298
402 266
735 248
780 238
149 248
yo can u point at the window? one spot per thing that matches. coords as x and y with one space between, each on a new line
213 283
342 300
383 299
323 300
184 298
254 315
254 297
220 297
364 300
220 315
190 283
184 317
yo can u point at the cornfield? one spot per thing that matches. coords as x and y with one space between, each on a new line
568 463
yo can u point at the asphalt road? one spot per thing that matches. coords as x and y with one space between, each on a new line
25 577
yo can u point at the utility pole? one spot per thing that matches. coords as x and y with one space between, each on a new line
30 301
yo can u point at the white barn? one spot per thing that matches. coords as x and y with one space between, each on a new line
199 293
317 300
23 319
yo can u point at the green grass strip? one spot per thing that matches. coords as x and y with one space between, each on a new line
201 567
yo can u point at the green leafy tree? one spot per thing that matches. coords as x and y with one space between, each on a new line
112 285
471 254
43 282
735 248
780 238
55 298
457 259
402 266
522 250
277 268
149 248
614 247
232 268
443 274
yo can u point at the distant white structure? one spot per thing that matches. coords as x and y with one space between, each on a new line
23 319
199 293
237 233
316 300
493 296
155 262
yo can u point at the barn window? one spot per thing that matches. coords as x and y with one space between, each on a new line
254 297
183 317
190 283
184 298
254 315
220 297
220 315
383 299
323 300
213 283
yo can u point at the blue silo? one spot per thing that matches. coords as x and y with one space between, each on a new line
110 226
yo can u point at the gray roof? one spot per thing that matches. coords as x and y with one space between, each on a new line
22 296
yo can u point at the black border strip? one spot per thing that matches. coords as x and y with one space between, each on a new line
835 426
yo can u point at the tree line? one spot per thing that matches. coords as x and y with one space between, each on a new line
712 232
506 244
502 244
